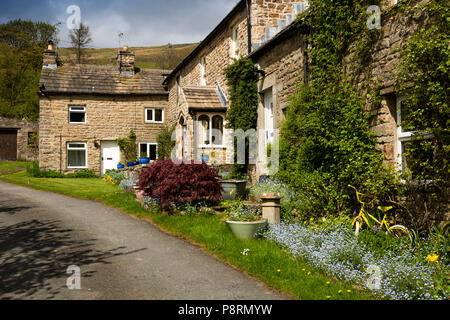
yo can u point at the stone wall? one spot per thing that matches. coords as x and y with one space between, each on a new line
108 118
283 72
27 149
396 29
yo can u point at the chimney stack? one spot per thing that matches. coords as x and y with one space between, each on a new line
50 57
126 61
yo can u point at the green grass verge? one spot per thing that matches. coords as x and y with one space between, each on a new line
11 167
265 261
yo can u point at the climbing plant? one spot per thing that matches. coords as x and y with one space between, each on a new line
326 142
423 79
242 81
128 146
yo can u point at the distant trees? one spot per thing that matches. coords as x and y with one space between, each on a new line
21 47
79 39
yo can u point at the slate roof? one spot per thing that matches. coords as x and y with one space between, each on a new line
203 98
101 80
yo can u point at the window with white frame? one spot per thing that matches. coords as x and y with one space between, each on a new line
210 138
154 115
235 42
411 149
148 150
203 71
77 155
77 114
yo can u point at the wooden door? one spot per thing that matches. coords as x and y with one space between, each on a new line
8 145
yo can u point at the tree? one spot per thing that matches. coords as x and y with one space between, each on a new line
22 44
80 38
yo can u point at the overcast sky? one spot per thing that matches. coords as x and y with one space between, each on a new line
143 22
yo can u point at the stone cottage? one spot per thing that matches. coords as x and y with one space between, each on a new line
84 109
18 140
197 87
266 32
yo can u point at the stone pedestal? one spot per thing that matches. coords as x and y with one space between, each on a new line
271 207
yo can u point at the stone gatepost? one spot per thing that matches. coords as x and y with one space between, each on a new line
271 207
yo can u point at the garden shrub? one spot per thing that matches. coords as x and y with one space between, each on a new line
165 142
176 184
128 146
33 170
83 174
114 176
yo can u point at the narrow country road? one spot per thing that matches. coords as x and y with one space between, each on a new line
42 234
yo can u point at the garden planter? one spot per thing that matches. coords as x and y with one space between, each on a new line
246 230
144 160
233 189
132 164
205 158
120 166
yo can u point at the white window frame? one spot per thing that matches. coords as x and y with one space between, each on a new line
153 113
78 109
209 133
148 144
235 42
269 117
85 148
405 136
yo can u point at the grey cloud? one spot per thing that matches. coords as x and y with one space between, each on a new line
144 23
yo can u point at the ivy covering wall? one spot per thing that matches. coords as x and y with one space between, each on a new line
326 142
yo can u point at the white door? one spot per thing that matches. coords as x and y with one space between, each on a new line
268 116
110 155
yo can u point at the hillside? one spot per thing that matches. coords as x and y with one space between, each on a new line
161 57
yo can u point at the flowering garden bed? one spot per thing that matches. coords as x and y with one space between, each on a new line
399 272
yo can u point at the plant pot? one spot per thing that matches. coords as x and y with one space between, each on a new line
233 189
246 230
132 164
205 158
120 166
144 160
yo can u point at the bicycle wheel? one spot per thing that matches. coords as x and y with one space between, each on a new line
398 230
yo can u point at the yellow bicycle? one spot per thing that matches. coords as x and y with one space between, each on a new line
397 230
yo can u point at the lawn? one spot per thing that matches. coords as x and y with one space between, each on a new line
265 260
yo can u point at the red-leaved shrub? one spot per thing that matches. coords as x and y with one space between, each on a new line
177 184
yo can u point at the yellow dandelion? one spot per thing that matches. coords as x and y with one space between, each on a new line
309 273
433 258
328 283
231 192
328 297
278 270
349 291
340 291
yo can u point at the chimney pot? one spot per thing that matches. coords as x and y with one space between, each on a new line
126 62
50 57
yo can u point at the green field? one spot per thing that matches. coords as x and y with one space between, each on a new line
159 57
